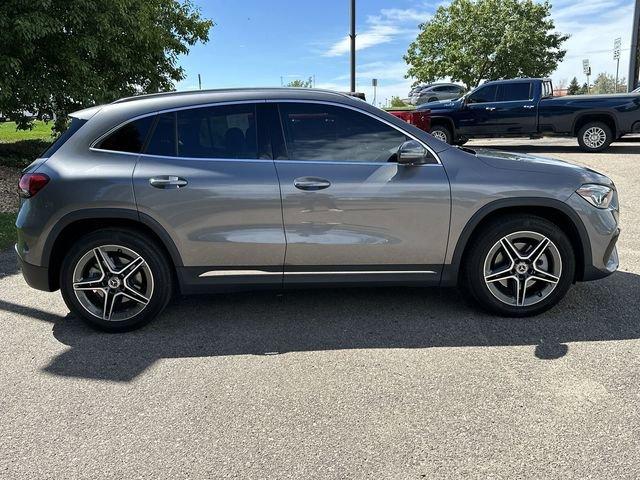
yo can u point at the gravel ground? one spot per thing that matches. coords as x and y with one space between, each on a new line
8 184
393 383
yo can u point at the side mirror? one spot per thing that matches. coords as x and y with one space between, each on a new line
412 153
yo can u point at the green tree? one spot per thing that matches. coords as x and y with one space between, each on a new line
584 89
57 56
301 83
574 87
605 83
397 103
474 40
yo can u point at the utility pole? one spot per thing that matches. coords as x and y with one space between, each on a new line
199 82
353 45
635 50
617 43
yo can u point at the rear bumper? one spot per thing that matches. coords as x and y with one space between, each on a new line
36 277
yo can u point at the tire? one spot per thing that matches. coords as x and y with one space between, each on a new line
486 263
443 133
595 137
127 288
461 142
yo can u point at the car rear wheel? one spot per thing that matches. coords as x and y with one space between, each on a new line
442 133
115 280
519 266
595 137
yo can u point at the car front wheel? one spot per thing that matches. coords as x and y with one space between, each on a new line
115 280
519 266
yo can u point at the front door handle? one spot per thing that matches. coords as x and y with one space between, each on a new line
491 109
529 106
311 183
167 181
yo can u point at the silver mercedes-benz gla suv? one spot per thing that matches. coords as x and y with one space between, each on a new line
242 189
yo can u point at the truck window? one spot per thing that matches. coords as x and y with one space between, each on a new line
483 95
512 92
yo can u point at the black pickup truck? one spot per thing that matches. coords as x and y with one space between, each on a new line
526 107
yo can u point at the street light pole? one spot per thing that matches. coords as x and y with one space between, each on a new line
353 45
635 50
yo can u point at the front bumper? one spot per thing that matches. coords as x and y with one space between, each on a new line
602 230
36 277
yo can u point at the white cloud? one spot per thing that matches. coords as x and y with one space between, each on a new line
385 27
593 26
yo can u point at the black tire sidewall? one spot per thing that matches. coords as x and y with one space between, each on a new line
607 131
446 130
141 244
474 267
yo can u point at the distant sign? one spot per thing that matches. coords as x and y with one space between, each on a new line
586 68
617 44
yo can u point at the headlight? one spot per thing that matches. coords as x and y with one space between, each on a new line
599 196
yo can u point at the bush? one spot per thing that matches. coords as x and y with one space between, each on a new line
21 153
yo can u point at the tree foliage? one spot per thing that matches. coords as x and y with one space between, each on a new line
57 56
606 83
574 87
396 102
474 40
301 83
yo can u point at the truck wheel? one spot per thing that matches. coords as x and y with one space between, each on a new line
595 137
442 133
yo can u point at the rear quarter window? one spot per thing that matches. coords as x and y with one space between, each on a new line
129 138
74 126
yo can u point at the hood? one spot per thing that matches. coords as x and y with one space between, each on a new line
530 163
441 105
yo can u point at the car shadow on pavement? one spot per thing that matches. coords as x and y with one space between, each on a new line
320 320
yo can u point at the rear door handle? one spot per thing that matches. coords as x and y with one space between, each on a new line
167 181
491 109
529 106
311 183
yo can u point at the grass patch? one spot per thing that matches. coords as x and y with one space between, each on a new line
40 131
7 230
18 148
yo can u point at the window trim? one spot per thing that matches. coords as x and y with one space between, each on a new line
92 145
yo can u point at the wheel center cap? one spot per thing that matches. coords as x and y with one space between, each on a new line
522 268
114 282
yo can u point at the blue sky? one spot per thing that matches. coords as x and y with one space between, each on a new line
255 43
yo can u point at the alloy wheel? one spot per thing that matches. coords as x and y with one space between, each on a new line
522 268
440 135
594 137
113 282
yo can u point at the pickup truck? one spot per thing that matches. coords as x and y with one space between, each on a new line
526 107
420 119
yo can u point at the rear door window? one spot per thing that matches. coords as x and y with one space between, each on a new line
128 138
226 131
512 92
163 139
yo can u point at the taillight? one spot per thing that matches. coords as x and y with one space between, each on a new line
31 183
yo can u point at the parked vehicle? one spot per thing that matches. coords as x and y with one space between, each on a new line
421 119
525 107
435 92
242 189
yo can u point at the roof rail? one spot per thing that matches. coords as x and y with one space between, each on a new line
221 90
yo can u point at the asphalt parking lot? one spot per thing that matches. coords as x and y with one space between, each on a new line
392 383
